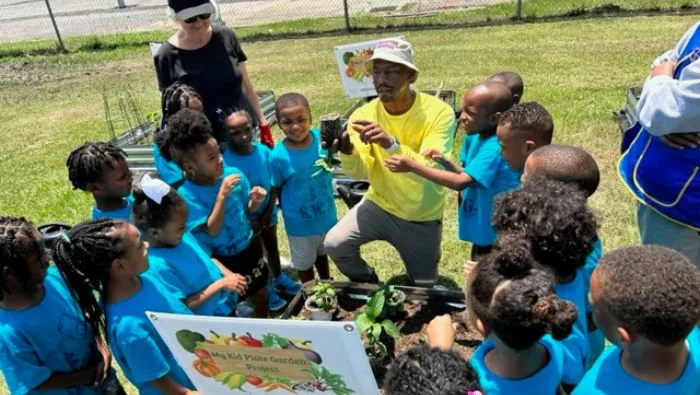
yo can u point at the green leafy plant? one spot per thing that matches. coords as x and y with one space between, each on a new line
325 378
324 296
372 323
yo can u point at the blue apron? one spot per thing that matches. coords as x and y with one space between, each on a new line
664 178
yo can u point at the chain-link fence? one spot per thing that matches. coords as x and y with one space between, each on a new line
22 20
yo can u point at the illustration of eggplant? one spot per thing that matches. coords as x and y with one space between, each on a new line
308 354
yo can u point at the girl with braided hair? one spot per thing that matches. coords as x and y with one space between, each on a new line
104 263
45 344
176 97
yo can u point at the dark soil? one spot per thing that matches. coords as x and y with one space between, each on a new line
412 323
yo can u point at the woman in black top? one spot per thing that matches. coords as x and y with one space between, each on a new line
209 59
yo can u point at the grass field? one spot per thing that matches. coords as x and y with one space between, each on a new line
578 69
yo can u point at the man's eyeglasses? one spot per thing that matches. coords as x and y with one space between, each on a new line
193 19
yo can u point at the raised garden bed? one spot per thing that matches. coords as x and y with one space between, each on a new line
419 308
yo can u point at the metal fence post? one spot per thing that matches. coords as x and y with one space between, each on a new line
347 16
519 9
55 27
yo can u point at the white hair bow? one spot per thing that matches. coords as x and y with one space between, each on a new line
154 188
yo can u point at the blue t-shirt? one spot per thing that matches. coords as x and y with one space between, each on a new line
256 167
596 339
607 376
49 337
307 202
135 343
576 344
195 271
482 160
168 171
122 213
236 233
545 381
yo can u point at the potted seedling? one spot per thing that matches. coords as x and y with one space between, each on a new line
322 302
394 299
378 332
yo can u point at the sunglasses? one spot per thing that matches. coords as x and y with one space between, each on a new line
193 19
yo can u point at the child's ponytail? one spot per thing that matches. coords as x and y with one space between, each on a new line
557 316
512 257
83 255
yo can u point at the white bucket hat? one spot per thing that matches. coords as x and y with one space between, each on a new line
395 51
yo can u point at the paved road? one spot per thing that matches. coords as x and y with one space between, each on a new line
28 19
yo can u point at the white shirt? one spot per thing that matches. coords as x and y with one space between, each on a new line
672 106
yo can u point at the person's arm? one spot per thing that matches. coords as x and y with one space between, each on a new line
257 197
440 138
171 387
250 94
446 178
234 283
59 380
441 332
265 217
216 218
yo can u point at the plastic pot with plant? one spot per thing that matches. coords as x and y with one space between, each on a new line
321 302
379 333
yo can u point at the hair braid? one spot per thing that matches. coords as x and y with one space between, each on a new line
173 97
18 238
84 261
87 163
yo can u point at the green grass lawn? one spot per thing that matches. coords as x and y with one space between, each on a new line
578 69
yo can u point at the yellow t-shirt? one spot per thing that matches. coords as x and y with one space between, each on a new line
428 124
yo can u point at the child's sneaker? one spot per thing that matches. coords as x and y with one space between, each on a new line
274 301
285 284
244 311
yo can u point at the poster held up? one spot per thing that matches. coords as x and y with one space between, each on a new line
350 59
224 355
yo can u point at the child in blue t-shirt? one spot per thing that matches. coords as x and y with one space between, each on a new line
253 159
573 165
101 169
219 200
45 344
160 213
552 215
104 263
176 97
305 187
483 173
513 304
646 300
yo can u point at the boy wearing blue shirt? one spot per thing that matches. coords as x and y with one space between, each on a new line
101 169
573 165
253 159
305 187
219 199
483 173
646 300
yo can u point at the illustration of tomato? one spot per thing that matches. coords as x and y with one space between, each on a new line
248 341
254 380
202 354
206 368
350 71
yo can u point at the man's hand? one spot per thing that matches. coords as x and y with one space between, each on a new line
441 332
399 164
665 68
257 194
227 186
371 132
682 140
343 144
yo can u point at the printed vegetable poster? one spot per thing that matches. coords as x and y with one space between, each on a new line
350 58
250 356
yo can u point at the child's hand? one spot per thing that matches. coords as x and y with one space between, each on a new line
227 186
235 283
399 164
665 68
441 332
469 267
434 154
682 140
258 194
103 365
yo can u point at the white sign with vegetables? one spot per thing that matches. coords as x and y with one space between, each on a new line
350 58
248 356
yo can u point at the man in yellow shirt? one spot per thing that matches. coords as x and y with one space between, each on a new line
401 208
